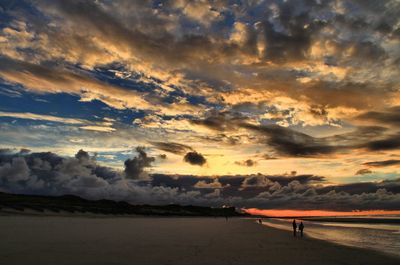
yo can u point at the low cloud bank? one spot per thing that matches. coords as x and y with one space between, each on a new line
50 174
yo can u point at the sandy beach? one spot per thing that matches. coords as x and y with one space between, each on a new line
81 240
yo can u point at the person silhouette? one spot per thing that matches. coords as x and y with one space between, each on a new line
259 221
301 227
294 227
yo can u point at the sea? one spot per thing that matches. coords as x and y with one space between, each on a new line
380 233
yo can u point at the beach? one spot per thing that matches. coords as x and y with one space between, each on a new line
135 240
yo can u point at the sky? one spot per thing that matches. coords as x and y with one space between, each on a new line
257 104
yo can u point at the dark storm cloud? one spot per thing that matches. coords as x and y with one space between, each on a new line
144 35
175 148
289 142
134 168
292 143
285 141
234 183
359 136
389 143
194 158
82 155
363 187
369 50
300 192
14 172
48 173
184 182
292 43
290 35
340 201
384 163
389 117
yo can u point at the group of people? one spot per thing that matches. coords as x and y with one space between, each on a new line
301 228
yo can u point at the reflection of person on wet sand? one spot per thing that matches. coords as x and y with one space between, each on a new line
294 227
301 227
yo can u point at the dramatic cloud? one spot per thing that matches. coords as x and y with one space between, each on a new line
284 140
15 171
390 116
82 155
384 163
174 148
48 173
391 142
134 168
289 142
195 158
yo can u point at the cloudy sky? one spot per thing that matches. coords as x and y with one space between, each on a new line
258 103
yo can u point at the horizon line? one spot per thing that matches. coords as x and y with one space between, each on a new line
316 213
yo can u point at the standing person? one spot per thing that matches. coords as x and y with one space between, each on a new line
294 227
301 227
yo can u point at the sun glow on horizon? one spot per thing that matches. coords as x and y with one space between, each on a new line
310 213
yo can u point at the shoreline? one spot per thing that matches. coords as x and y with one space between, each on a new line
380 237
335 241
171 240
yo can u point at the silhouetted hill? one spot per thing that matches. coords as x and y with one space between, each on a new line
72 204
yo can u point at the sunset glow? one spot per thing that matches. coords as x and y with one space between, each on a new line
314 213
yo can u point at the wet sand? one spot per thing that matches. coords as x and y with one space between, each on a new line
160 241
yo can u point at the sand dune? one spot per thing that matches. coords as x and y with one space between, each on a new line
161 241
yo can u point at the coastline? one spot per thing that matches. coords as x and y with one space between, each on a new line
154 240
383 238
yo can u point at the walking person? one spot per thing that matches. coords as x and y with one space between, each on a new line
294 227
301 227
